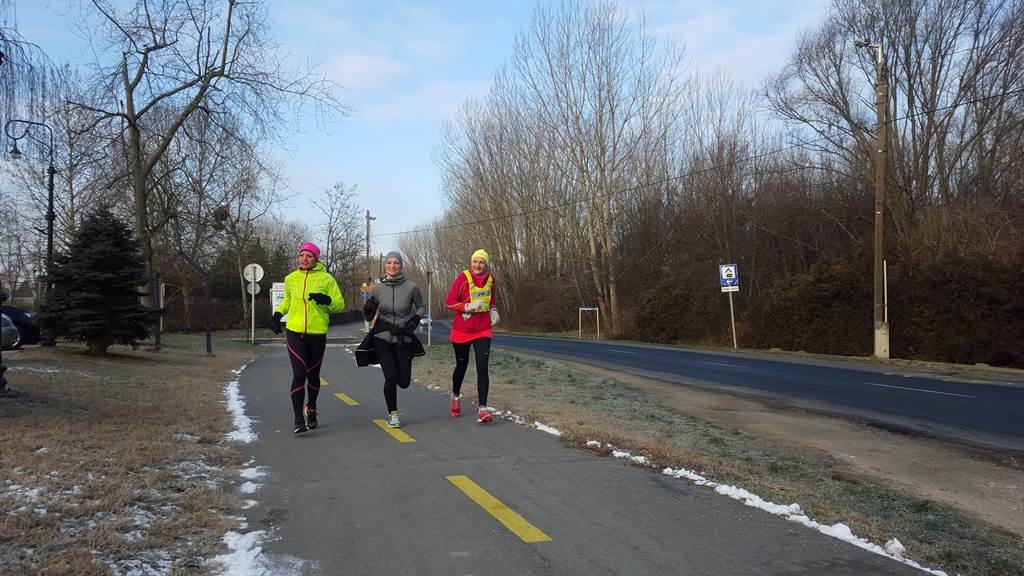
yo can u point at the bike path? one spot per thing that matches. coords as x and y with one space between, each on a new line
350 498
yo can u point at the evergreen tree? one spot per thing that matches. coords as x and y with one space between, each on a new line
95 294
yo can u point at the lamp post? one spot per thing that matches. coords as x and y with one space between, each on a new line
881 323
50 171
369 274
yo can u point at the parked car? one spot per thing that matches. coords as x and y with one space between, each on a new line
11 340
26 321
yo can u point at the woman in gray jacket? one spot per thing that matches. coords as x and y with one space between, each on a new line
397 305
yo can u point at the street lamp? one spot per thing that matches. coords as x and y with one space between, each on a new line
50 171
881 323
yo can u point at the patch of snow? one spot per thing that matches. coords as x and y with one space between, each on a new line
243 431
142 518
248 488
545 428
249 504
246 557
508 415
19 492
42 450
252 473
36 370
793 513
638 459
895 547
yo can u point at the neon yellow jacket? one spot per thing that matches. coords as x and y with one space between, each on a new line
304 315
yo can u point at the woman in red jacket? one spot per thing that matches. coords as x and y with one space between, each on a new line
472 298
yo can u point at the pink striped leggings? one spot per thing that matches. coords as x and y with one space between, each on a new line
306 352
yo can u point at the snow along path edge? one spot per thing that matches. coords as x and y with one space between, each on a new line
893 548
245 552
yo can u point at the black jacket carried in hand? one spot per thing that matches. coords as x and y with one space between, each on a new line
366 354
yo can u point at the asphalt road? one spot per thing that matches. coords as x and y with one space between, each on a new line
984 413
463 498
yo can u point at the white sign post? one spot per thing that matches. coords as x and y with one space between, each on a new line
729 277
253 273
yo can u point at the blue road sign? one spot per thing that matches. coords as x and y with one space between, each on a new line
729 275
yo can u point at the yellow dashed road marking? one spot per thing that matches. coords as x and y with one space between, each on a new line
517 524
396 433
346 399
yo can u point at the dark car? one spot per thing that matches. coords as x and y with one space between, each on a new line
26 321
11 339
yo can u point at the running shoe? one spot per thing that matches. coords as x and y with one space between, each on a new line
393 420
311 417
300 426
456 406
483 416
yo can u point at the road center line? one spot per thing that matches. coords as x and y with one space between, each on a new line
919 390
723 364
324 382
517 524
346 399
395 433
623 351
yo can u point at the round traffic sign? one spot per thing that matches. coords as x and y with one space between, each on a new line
253 289
253 272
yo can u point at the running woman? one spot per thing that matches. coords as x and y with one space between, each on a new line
397 305
311 295
472 298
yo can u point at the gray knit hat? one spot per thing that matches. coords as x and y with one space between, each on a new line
396 256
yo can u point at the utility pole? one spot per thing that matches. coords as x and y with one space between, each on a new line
881 325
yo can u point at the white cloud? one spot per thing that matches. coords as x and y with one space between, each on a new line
432 101
746 41
361 71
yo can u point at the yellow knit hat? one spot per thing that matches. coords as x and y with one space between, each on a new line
482 254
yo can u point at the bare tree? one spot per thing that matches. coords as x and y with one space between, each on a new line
343 234
177 58
956 71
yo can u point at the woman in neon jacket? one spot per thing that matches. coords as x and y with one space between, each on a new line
311 295
472 298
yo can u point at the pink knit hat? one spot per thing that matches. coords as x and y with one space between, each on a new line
310 247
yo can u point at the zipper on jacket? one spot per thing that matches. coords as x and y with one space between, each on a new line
305 305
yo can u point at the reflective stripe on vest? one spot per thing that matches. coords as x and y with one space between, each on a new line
480 294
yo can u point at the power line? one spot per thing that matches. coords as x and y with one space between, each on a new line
687 174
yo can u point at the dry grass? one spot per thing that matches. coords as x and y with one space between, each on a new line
586 406
116 464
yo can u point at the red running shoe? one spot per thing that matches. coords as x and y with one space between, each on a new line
455 407
483 416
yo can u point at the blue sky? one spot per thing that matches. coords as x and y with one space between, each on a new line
407 66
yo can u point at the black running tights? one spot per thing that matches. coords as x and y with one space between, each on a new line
482 351
396 363
306 352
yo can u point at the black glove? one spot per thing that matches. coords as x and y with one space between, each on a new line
413 323
275 323
370 309
320 298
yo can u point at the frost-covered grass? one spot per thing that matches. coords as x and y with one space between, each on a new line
117 465
586 407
